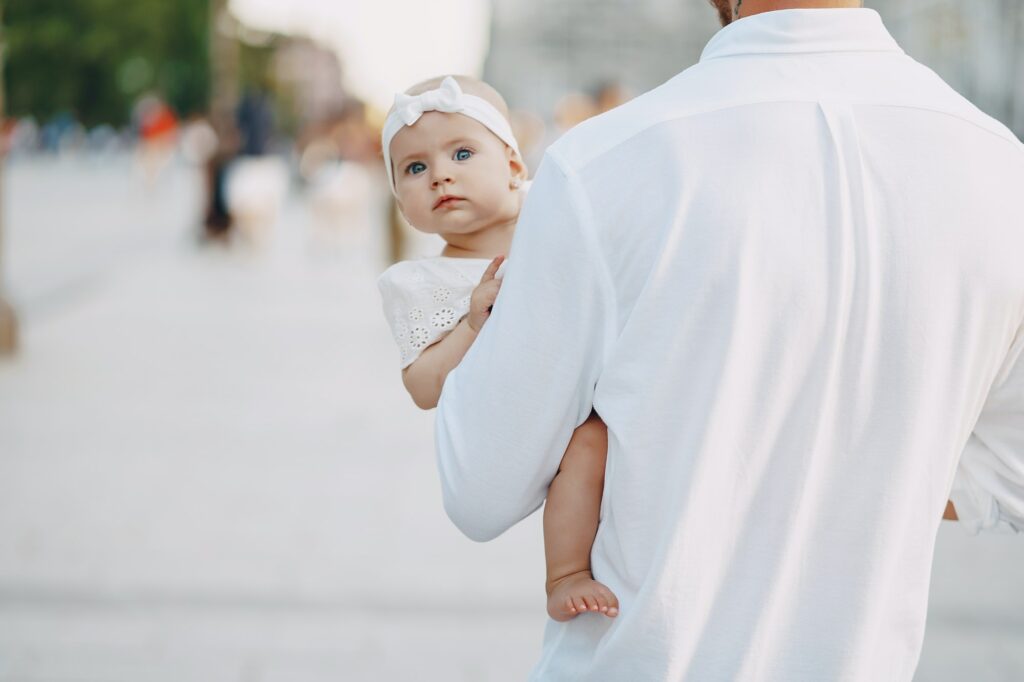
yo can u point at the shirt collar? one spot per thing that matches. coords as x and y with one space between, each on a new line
793 31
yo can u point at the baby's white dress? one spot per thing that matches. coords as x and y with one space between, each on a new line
424 299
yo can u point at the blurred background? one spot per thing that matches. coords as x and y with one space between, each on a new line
209 469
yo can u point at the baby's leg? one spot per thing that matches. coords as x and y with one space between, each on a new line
570 524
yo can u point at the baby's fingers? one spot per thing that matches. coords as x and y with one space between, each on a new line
487 290
492 269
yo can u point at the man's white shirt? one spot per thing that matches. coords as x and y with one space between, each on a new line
791 282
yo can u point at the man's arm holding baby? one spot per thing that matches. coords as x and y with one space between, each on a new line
425 377
508 411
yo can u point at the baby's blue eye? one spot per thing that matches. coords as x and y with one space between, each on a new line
415 168
463 154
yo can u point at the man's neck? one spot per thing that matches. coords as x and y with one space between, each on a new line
746 8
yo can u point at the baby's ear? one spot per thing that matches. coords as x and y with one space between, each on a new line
516 165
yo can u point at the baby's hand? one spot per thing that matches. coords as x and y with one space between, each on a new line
482 300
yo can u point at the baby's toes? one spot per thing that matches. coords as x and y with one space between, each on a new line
602 601
609 598
580 604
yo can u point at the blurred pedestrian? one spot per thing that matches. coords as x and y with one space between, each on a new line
255 181
609 94
340 161
217 219
255 121
157 128
572 109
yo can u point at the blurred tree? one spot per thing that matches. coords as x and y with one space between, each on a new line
95 57
8 318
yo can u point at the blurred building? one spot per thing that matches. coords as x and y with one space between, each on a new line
541 50
977 47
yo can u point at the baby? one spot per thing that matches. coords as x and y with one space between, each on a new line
456 171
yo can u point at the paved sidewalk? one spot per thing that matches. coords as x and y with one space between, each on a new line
209 471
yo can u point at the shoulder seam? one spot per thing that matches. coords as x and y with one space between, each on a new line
1011 138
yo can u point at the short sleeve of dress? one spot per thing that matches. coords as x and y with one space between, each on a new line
423 301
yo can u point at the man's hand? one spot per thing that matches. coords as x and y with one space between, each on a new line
482 300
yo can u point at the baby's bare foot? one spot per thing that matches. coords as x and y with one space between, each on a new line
579 593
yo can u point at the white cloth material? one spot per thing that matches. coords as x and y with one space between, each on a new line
988 492
448 98
424 299
789 280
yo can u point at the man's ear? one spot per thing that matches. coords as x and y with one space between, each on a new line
516 166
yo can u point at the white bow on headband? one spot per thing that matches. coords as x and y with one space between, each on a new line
448 99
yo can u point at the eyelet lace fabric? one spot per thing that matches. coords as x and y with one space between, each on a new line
443 318
425 299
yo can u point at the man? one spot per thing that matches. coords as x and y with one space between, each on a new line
789 280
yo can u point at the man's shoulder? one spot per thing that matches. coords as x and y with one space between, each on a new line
950 102
718 84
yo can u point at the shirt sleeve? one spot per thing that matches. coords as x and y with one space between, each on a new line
988 490
507 412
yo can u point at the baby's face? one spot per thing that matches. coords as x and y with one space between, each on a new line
453 175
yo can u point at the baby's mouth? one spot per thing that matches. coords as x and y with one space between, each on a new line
446 201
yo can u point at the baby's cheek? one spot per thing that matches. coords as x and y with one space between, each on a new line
513 203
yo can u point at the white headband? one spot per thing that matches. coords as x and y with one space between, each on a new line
450 99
